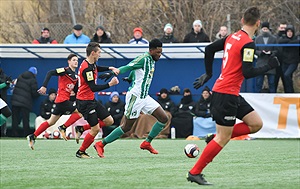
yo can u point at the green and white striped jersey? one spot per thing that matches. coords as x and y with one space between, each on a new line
142 69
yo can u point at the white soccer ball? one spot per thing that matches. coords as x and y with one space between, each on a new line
56 134
191 150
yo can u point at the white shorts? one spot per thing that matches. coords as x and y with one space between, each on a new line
2 103
134 106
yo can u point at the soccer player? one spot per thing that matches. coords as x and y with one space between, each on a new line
67 80
137 98
226 103
86 103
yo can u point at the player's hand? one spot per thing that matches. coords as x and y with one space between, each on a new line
115 70
42 90
127 79
106 76
273 62
201 80
113 81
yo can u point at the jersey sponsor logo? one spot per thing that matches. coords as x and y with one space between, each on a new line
229 118
90 75
92 111
60 70
248 55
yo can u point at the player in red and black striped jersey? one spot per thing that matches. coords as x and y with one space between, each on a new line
226 103
67 86
86 103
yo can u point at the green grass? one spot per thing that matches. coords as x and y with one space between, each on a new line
266 164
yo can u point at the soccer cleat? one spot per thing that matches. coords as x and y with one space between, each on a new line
199 179
99 147
147 146
78 132
81 154
62 129
209 137
31 140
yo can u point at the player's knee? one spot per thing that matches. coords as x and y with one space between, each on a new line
108 121
256 126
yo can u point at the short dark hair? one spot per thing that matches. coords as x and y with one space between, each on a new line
251 16
154 43
71 56
92 46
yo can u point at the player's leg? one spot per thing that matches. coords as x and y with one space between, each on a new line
51 121
224 110
88 110
133 108
69 106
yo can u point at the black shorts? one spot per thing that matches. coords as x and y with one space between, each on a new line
66 107
92 110
225 108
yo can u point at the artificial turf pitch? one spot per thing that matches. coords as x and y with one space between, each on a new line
266 164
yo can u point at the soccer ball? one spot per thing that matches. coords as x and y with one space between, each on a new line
69 135
56 134
191 150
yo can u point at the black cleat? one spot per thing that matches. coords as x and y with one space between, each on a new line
31 140
81 154
209 137
62 129
199 179
78 132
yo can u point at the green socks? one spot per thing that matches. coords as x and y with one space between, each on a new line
2 119
156 128
114 135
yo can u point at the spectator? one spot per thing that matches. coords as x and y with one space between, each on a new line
279 73
24 92
45 38
197 34
168 36
77 37
45 108
166 103
223 32
290 57
116 107
203 123
138 37
264 53
183 118
101 36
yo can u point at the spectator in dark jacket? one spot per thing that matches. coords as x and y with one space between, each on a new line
45 38
203 105
168 36
263 54
186 106
47 104
166 103
101 36
290 57
24 92
197 34
116 108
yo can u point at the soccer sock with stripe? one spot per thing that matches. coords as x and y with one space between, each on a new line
156 128
114 135
41 128
210 151
72 119
87 141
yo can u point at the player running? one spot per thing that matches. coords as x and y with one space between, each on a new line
86 102
226 103
138 99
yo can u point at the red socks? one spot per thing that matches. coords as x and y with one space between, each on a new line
86 127
101 123
240 129
41 128
72 119
88 140
210 151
